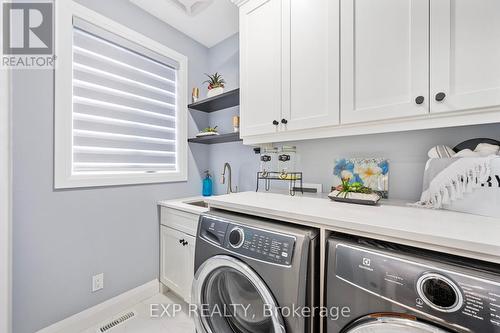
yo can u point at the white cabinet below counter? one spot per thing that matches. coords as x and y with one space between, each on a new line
177 244
177 261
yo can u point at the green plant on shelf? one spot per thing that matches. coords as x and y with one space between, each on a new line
347 187
215 81
210 130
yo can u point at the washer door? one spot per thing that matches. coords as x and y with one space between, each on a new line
231 297
391 324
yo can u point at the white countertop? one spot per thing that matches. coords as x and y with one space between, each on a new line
183 204
445 231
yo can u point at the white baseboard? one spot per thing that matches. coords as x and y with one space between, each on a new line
97 314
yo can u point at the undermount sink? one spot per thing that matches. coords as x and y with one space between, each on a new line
198 203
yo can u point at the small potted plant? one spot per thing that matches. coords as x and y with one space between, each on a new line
215 84
354 192
209 131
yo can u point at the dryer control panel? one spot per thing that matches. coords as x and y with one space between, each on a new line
263 245
435 289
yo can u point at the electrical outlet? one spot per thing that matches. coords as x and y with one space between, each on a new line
97 282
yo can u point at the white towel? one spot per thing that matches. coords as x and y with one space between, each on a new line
448 179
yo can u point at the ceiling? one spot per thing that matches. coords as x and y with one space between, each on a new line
206 21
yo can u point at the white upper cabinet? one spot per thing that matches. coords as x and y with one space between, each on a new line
289 62
325 68
260 66
384 59
311 49
465 54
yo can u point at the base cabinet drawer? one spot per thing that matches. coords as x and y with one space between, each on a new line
177 261
179 220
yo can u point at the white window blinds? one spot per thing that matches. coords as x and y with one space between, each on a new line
124 105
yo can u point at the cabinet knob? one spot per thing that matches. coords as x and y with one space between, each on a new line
419 100
275 123
284 121
440 96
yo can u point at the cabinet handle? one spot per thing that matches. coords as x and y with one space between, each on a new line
284 121
440 96
275 123
181 241
184 243
420 100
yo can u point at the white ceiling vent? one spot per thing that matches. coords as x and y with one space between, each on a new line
193 7
116 322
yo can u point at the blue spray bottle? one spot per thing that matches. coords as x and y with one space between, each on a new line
207 185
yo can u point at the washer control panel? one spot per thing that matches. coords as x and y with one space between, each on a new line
260 244
263 245
439 290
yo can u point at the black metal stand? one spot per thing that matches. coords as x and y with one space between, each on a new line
292 177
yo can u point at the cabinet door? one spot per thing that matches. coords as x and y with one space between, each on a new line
384 59
313 48
189 267
260 65
173 260
465 54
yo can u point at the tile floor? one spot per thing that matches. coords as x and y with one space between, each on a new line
143 323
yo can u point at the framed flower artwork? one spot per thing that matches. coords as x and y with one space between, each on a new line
370 172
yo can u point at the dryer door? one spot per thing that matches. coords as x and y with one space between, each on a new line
231 297
391 324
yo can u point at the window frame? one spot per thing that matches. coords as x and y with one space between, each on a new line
63 102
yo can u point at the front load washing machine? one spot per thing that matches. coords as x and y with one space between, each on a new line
382 287
254 275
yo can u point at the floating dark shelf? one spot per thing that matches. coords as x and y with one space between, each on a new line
216 103
222 138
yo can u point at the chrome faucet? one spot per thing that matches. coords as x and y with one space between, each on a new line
229 182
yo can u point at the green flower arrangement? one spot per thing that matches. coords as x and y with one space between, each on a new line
346 187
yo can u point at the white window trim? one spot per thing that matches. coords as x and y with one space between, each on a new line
63 125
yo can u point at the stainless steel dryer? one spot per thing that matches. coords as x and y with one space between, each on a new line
390 288
250 272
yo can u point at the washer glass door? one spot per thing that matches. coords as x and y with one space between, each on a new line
392 325
231 297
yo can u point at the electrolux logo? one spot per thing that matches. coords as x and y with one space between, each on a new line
28 35
366 264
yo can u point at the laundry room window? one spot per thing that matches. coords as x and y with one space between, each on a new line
120 104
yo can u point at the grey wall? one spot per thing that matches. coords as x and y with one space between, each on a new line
224 58
407 151
62 238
